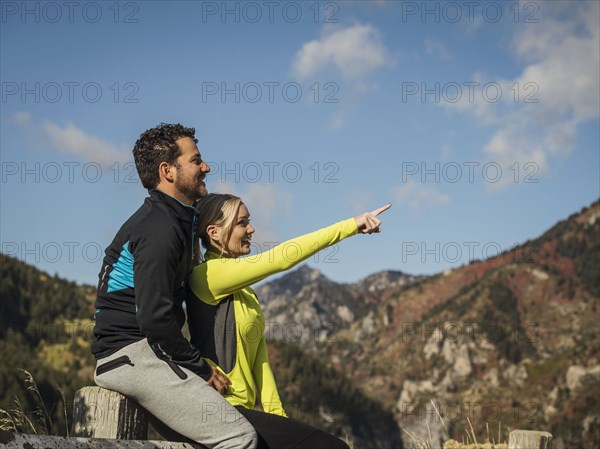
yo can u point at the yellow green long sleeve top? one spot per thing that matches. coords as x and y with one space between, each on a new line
226 321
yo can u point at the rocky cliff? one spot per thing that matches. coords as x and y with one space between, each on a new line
510 342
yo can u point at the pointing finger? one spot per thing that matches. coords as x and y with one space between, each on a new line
381 209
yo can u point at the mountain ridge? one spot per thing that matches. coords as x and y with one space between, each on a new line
304 306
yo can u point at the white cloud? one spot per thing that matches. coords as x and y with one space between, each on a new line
352 53
337 122
561 138
564 56
540 110
72 140
418 195
482 96
22 118
437 49
519 159
355 52
446 152
360 201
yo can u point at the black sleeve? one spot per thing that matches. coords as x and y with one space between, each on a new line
157 251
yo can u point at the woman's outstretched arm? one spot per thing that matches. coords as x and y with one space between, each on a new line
218 277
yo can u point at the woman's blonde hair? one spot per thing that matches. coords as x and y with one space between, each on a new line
219 209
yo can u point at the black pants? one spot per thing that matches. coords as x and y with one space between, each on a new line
277 432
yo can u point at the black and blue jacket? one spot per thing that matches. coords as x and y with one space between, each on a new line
143 282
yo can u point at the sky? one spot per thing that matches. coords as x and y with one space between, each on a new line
478 121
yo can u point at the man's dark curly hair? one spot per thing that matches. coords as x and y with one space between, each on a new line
158 145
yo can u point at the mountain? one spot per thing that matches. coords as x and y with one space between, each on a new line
510 342
307 308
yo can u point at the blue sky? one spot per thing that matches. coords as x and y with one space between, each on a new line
479 122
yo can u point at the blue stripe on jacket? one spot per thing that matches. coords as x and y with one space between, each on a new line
121 275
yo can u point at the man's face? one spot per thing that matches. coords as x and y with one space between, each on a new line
190 172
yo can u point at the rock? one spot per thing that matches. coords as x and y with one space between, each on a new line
432 347
491 378
516 375
345 313
462 363
574 377
577 374
459 357
410 390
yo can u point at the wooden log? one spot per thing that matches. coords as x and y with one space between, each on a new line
529 439
10 440
102 413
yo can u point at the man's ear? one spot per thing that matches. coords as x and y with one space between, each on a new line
166 171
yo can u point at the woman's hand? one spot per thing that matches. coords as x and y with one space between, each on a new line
368 223
219 381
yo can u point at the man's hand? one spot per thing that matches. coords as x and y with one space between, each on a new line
368 222
219 381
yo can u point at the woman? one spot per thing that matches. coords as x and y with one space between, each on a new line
226 322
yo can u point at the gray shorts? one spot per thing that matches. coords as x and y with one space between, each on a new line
176 396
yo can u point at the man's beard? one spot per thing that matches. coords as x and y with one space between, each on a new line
192 189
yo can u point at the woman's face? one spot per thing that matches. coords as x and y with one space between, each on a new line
239 242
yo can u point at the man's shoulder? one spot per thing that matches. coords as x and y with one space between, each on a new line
152 217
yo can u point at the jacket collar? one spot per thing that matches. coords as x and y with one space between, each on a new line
182 210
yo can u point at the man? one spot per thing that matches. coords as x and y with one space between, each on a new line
140 349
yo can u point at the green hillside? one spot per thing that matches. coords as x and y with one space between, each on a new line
45 328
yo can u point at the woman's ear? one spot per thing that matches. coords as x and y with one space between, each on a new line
213 232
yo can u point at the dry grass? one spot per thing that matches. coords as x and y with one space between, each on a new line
18 420
469 439
451 444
